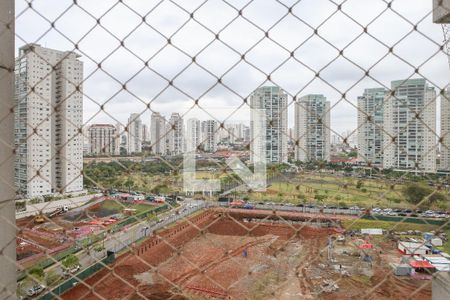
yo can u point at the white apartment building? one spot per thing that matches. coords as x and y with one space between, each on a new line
246 133
235 132
118 138
210 136
370 126
102 139
158 133
445 131
48 117
175 135
145 133
274 101
312 134
134 134
410 123
193 134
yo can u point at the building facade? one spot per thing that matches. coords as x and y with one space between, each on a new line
48 119
175 135
444 163
210 136
145 133
273 100
102 139
370 126
158 133
134 134
312 132
193 134
409 139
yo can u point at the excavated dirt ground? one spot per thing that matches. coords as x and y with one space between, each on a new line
219 256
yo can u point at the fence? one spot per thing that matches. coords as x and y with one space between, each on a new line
67 285
355 100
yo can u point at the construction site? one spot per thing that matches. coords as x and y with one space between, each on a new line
48 234
238 254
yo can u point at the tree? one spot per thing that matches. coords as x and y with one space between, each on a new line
320 197
415 193
52 277
359 184
71 261
129 183
36 273
353 154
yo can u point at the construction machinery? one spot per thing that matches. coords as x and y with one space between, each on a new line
39 219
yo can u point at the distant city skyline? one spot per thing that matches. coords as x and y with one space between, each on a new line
339 75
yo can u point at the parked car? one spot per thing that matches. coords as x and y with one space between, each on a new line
72 270
35 290
248 206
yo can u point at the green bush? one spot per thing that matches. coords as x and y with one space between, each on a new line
70 261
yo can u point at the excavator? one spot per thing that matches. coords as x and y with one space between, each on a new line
39 219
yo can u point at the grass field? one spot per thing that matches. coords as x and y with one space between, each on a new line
397 226
334 190
119 206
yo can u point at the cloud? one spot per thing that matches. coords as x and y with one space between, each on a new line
218 37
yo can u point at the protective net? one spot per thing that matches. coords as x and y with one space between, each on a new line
222 149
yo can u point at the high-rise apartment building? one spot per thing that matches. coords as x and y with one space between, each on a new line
370 126
312 134
48 117
102 139
409 126
246 134
193 134
145 133
158 133
134 133
118 139
210 136
445 131
273 100
235 132
175 135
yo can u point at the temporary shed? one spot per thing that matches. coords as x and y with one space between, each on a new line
436 242
439 262
411 248
366 246
402 270
372 231
420 264
428 236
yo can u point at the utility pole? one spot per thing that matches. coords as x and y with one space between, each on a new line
7 153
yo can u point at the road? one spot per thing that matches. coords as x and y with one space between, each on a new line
46 207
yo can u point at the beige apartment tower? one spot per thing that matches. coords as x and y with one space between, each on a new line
48 119
312 134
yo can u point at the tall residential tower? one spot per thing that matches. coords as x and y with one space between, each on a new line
370 126
48 121
312 128
134 134
273 100
409 139
158 133
175 135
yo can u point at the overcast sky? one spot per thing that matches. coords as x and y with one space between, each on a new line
238 35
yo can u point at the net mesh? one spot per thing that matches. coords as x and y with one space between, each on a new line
109 93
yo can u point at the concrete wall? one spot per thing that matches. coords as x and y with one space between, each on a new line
441 286
441 11
7 190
